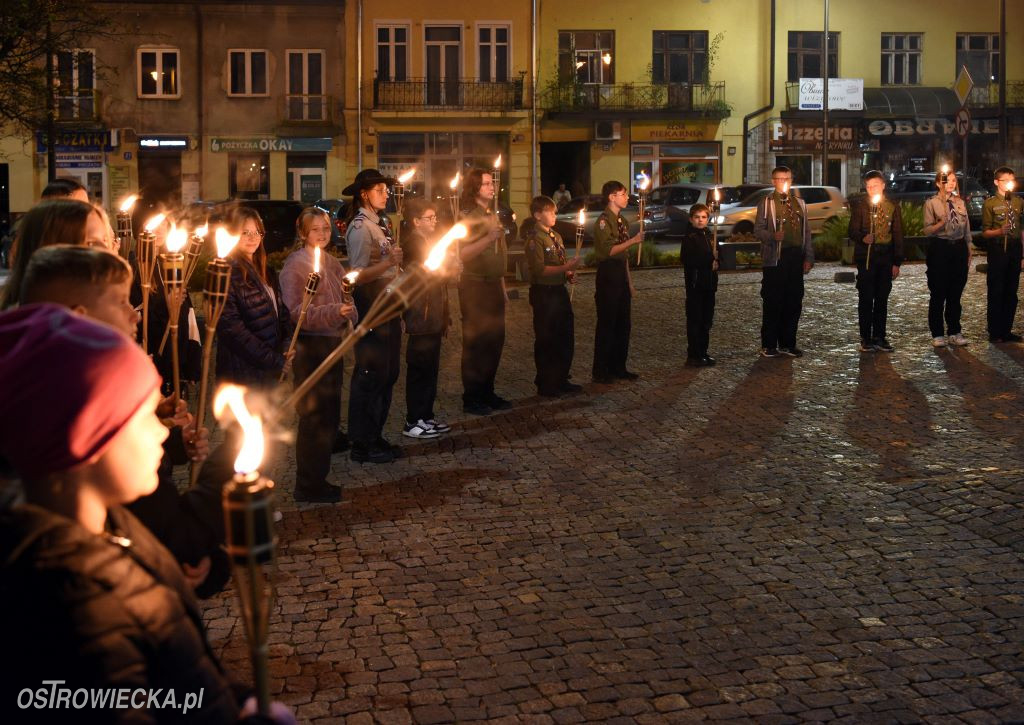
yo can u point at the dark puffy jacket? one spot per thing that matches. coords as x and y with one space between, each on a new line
251 333
110 611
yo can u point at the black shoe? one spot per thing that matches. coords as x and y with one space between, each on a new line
372 454
322 494
341 443
496 402
549 392
1013 337
602 379
359 453
707 361
867 345
996 340
882 345
791 351
571 388
476 408
769 352
384 444
627 375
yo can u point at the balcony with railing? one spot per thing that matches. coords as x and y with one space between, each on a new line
448 94
689 100
312 110
82 106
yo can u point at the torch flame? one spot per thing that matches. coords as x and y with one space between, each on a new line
404 178
127 204
645 183
583 217
718 194
201 231
176 239
352 276
249 457
225 241
785 188
876 199
316 260
607 58
437 254
155 221
455 181
1009 186
497 162
945 168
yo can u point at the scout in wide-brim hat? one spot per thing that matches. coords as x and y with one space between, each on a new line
364 180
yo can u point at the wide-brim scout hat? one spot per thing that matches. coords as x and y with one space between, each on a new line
364 180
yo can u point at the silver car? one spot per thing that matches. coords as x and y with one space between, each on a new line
656 222
823 203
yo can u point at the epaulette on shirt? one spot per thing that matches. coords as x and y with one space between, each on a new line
357 223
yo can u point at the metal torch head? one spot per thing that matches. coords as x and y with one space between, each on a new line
312 282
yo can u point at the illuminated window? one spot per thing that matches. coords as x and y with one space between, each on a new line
158 73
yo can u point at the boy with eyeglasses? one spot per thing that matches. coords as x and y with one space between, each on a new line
426 323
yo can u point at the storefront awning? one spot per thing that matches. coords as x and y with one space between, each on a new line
909 102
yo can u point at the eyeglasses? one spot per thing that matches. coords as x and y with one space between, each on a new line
252 235
429 218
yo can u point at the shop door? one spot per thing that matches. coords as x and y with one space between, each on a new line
159 183
306 184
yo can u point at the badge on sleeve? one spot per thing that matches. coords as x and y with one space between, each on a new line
602 223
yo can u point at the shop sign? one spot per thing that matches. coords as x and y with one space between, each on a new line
163 143
672 131
79 160
844 94
803 136
270 143
72 140
930 127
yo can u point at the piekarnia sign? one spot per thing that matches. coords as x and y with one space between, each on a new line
929 127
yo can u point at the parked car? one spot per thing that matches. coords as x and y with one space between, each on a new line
336 209
678 198
918 188
823 203
656 221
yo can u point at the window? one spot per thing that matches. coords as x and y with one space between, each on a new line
249 176
76 83
586 55
679 56
493 55
158 73
813 195
980 53
901 59
248 72
392 52
805 54
444 62
306 101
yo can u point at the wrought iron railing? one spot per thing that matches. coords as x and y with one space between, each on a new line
988 96
698 99
78 106
308 109
448 93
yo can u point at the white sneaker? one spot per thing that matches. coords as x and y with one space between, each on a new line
959 340
439 426
938 342
419 429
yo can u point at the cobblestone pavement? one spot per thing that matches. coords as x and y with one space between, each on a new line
831 538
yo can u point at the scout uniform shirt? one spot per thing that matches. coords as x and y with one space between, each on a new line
791 220
997 211
611 229
544 248
489 265
883 216
369 240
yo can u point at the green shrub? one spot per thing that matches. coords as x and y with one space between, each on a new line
748 259
828 245
913 219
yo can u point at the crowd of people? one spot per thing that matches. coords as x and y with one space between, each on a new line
115 554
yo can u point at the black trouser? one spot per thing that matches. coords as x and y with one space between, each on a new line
700 312
375 373
874 284
782 295
947 275
554 336
1002 280
319 411
422 362
611 334
482 304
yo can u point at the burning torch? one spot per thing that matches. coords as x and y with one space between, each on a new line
193 249
124 225
642 194
145 257
172 268
248 502
399 193
875 201
579 246
312 282
453 196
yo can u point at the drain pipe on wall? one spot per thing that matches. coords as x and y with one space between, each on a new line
534 141
771 95
359 84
